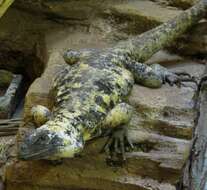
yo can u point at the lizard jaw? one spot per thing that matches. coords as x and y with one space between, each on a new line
44 144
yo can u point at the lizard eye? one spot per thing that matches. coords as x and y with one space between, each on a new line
43 138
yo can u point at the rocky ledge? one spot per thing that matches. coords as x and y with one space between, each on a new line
161 130
163 122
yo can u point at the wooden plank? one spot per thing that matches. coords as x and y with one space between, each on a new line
11 133
9 127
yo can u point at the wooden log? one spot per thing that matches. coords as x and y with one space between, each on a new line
195 172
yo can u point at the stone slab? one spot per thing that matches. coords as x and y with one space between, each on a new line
89 170
135 17
144 8
169 110
177 3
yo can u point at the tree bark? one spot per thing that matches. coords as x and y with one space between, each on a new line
195 172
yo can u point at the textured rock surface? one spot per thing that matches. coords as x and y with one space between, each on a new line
177 3
7 152
194 44
136 17
22 45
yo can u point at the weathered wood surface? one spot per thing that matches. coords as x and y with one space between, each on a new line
4 5
195 173
9 127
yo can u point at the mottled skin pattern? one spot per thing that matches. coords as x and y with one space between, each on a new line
90 92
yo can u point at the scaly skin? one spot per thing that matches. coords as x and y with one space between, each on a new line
87 93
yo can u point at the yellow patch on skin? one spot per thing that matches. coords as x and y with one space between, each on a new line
106 99
86 136
120 114
83 66
55 128
76 85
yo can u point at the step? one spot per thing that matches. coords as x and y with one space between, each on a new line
137 16
169 110
121 183
153 157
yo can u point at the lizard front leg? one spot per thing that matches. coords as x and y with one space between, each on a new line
155 75
118 121
171 77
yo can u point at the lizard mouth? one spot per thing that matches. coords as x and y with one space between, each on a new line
44 144
39 145
26 153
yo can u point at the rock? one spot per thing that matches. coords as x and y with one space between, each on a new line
7 152
159 155
22 47
135 17
184 4
194 43
168 111
5 78
66 10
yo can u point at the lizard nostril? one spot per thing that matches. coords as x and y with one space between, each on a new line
23 147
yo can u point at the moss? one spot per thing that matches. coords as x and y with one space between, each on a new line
5 78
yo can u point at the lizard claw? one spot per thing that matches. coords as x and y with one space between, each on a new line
116 146
178 78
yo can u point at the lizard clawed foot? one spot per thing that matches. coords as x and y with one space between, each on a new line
116 146
178 78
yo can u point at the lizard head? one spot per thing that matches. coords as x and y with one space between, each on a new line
43 143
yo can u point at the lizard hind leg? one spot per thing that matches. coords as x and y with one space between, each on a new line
118 141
